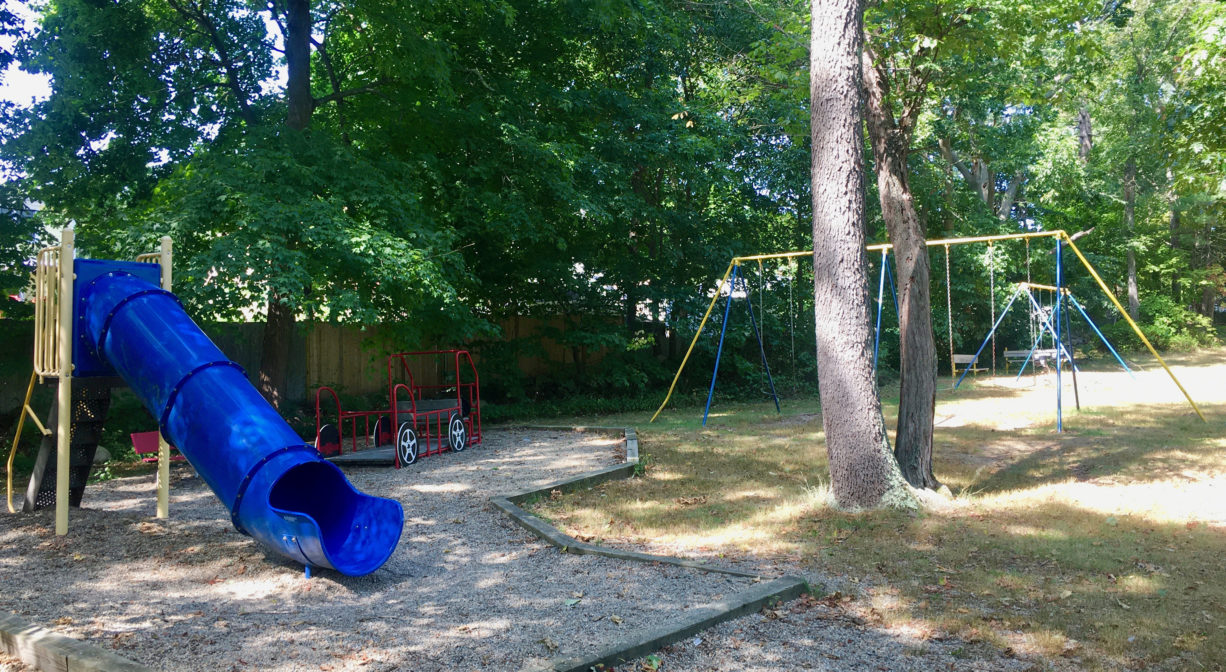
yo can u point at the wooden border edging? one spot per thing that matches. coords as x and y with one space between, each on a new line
709 615
47 650
782 589
510 504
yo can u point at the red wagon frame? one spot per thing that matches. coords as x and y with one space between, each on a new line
412 421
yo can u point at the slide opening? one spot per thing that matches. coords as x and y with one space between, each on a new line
319 490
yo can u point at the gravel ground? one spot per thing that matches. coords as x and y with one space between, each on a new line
466 589
825 634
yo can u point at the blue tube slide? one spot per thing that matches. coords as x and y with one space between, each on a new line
278 490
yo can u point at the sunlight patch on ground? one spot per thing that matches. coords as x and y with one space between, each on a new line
1175 501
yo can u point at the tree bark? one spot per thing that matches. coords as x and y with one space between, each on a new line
1130 207
863 473
1006 199
279 330
983 180
298 64
1085 134
274 360
917 349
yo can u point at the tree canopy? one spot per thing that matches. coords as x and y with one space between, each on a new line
447 166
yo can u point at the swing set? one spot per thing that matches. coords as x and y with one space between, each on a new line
1050 322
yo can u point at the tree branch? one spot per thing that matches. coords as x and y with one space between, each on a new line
337 96
1007 198
947 151
1077 235
197 16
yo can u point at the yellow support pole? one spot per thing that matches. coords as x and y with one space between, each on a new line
777 255
21 422
1103 286
163 479
64 399
979 239
695 341
929 243
1050 288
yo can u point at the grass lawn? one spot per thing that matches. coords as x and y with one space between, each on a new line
1104 545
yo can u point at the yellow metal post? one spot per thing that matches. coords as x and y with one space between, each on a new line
64 399
978 239
21 422
163 505
1103 286
696 335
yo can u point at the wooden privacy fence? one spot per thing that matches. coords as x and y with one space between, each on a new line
349 358
354 359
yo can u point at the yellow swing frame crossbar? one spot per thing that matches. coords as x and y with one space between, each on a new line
1059 234
1049 288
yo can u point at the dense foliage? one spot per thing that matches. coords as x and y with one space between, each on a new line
600 161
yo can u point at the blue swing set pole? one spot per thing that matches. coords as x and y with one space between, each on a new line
989 336
1046 328
722 331
885 270
1107 343
761 347
1033 346
880 300
1056 332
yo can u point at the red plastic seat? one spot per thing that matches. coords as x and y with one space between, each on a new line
145 444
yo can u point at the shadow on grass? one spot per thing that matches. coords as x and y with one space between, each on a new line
1051 580
1146 444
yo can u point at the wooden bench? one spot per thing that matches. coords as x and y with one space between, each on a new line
964 362
145 445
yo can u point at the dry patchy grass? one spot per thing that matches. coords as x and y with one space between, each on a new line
1102 544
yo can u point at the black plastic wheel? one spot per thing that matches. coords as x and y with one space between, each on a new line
382 435
457 433
328 442
406 443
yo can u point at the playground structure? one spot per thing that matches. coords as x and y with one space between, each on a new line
1053 326
437 423
99 324
1059 352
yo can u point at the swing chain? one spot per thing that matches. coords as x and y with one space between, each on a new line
992 298
949 316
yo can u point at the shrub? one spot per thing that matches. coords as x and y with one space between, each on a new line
1167 325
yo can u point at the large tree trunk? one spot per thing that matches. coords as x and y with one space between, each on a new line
274 360
298 64
1130 207
278 333
917 349
863 473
